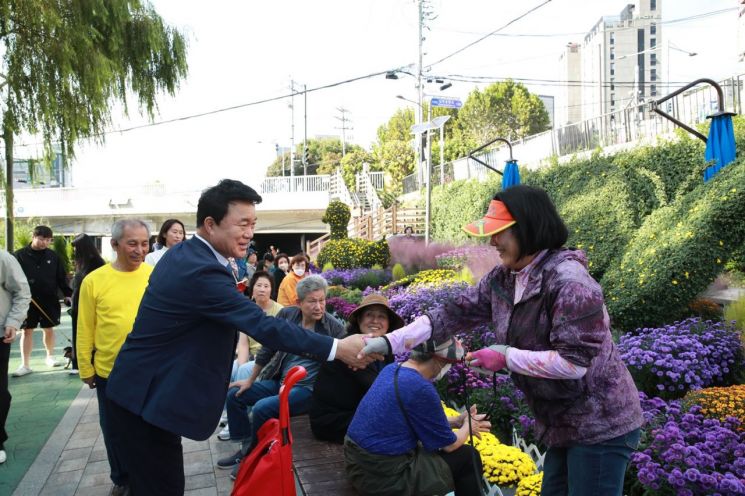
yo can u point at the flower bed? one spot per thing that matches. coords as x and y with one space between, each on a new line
719 402
357 278
684 453
691 354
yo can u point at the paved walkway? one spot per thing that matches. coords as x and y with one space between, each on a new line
73 461
55 445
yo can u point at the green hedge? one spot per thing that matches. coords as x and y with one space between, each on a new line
337 216
458 203
354 253
677 252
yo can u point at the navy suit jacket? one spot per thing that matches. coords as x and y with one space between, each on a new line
174 368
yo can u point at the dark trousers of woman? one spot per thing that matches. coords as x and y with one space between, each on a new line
4 393
465 464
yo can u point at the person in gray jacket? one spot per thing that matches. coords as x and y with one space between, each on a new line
261 390
15 297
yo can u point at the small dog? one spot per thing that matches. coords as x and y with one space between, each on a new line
68 355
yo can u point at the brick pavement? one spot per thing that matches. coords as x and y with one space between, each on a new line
55 445
73 461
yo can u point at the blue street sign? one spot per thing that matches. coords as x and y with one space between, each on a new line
446 102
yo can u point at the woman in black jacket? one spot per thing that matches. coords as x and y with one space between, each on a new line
338 389
87 259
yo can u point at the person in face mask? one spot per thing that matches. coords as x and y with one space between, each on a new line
281 268
401 442
287 296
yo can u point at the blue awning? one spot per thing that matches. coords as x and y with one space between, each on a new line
720 145
511 174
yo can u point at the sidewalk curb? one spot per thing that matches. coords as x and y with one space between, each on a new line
38 473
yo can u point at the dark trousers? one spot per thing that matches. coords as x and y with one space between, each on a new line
4 393
465 464
153 457
118 472
74 345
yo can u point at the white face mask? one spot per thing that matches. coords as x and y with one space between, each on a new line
443 371
299 271
284 266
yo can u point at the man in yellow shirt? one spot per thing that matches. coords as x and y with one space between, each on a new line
109 299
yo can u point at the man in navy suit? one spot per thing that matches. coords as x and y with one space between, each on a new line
172 373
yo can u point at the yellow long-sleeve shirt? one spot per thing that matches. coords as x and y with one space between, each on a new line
109 300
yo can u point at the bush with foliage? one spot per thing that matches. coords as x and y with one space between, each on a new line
677 252
340 307
351 295
692 354
735 313
398 272
337 216
354 253
458 203
59 245
434 277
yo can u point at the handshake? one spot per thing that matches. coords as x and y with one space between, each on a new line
358 351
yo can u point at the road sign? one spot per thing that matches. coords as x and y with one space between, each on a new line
446 102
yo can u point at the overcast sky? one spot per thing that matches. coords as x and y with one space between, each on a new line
241 52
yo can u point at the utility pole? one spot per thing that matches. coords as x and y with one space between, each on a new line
344 127
292 135
305 130
420 41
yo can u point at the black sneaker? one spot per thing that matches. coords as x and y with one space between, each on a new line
230 461
234 472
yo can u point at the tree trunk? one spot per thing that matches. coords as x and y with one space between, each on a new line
8 138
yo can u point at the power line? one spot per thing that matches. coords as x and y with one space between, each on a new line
693 17
226 109
530 11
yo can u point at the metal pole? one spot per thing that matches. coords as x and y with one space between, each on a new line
428 203
419 116
305 127
442 154
292 135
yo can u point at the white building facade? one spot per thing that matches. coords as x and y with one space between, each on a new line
618 64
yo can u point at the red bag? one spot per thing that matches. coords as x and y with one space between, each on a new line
267 471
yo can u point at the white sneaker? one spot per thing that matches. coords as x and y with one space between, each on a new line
224 419
21 371
3 456
224 434
53 362
74 372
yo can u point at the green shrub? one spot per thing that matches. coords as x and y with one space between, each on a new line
327 266
59 245
337 216
354 253
458 203
677 252
735 312
373 278
375 253
398 272
352 295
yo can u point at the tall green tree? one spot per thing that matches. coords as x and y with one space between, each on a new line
505 110
65 63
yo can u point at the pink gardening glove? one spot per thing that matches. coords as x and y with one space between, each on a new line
400 340
493 358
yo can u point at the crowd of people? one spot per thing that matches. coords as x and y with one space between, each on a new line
203 330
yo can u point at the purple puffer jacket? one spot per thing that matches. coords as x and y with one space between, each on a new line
561 309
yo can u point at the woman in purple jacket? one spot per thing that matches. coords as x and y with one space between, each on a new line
549 315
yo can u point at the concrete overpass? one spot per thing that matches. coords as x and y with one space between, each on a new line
290 206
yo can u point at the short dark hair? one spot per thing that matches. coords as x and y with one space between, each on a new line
215 200
43 231
538 225
161 239
258 275
300 257
279 257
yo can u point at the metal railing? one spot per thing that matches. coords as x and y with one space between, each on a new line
286 184
631 125
338 190
376 179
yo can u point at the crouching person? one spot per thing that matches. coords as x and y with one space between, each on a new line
401 443
261 390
